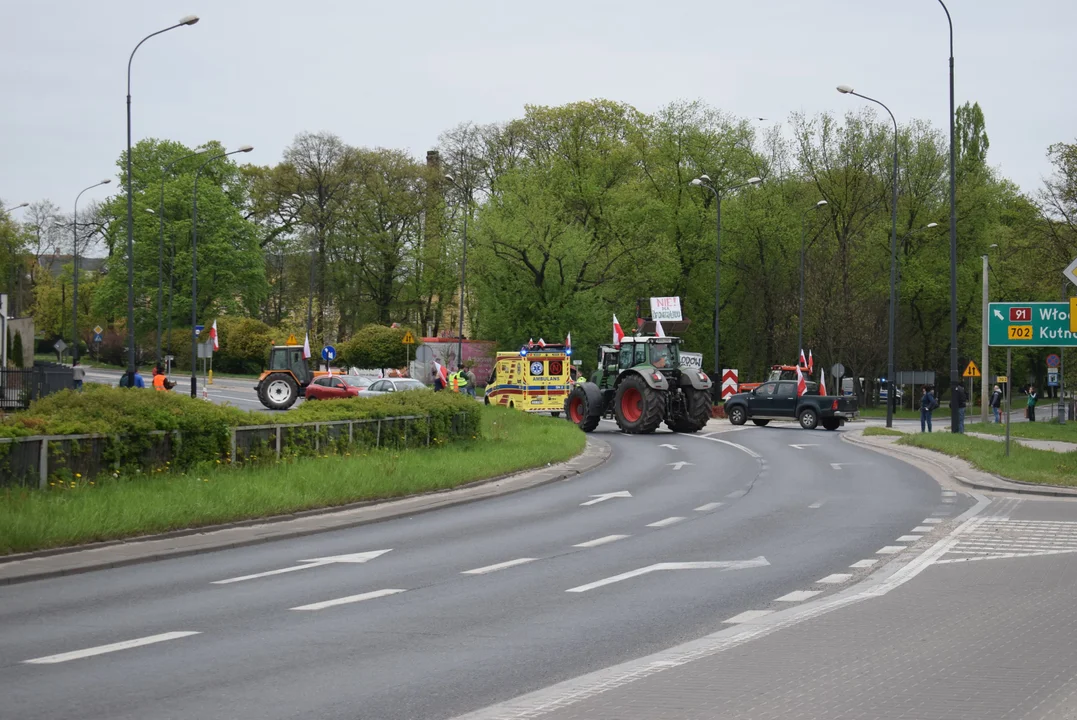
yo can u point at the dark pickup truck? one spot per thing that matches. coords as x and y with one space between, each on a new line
779 401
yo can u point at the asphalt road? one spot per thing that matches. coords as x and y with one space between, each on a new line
470 605
238 392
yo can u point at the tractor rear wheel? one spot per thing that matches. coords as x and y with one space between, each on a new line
637 407
698 406
579 410
279 391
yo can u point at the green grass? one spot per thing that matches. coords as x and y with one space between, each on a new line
1034 466
883 431
1032 431
122 508
880 412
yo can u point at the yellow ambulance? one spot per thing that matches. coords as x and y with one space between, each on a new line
535 379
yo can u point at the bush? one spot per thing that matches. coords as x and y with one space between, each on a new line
376 346
245 344
16 350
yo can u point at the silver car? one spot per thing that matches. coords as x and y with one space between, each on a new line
388 385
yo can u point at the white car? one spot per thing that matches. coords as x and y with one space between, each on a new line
388 385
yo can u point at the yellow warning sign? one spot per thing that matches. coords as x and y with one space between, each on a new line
409 339
292 340
971 370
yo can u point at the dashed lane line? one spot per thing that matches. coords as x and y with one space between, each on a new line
600 541
709 506
798 596
498 566
864 563
666 522
890 550
113 647
835 579
909 538
350 599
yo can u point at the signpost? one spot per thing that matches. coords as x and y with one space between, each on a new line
407 341
329 354
98 335
60 346
730 383
1032 324
198 330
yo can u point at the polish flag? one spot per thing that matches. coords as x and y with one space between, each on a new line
822 383
618 333
568 342
811 363
542 343
658 329
306 346
802 385
442 372
803 362
213 334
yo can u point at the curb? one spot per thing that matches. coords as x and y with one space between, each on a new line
1004 484
282 527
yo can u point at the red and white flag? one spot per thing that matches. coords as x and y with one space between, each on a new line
658 331
618 333
542 343
213 335
802 385
568 342
811 363
822 382
306 346
442 372
803 362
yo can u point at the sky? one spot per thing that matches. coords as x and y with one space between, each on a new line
397 74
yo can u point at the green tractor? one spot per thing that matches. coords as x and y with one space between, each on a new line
640 385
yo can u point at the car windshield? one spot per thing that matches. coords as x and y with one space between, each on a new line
355 381
408 385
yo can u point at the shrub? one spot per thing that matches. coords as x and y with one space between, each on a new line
244 345
16 350
376 346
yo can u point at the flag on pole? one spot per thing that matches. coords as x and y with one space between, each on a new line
658 329
213 334
442 373
803 362
802 385
306 346
531 342
542 343
618 333
822 382
811 363
568 342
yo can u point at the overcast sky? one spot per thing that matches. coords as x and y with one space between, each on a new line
396 74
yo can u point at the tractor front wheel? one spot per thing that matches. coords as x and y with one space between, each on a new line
579 410
697 403
279 391
637 407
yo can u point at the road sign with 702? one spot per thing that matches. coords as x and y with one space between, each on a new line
1032 324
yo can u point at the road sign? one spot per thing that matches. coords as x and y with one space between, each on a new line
1052 378
1002 379
198 330
1031 324
60 346
98 337
730 383
837 371
329 353
1070 273
98 329
409 339
971 371
1053 360
292 340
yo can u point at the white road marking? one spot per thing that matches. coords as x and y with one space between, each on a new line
798 596
909 538
948 499
922 528
350 599
835 579
667 445
665 522
308 564
837 466
709 506
601 541
932 521
498 566
805 445
816 505
706 565
606 496
747 616
102 649
737 494
890 550
678 465
864 563
949 493
743 449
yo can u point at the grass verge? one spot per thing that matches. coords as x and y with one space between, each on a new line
1032 431
903 414
1026 464
883 431
85 512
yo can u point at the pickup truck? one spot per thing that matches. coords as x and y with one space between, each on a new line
779 401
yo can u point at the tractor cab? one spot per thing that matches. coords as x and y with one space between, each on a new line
286 379
290 358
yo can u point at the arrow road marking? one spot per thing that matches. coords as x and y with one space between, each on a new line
806 445
712 565
667 445
315 562
679 464
606 496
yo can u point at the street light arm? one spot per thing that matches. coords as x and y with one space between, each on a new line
950 22
882 105
191 20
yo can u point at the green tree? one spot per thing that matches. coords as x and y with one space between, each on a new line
375 346
17 351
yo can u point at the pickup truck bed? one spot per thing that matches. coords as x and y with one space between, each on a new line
779 401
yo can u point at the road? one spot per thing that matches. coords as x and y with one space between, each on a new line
238 392
474 604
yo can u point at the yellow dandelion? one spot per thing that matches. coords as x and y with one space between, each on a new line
218 462
78 475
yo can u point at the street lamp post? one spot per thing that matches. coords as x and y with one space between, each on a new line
463 275
194 265
985 350
75 274
954 377
846 90
803 224
189 20
704 181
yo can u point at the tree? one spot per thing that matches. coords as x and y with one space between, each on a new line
375 346
17 350
971 143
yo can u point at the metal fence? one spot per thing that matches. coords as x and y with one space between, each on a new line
19 387
37 460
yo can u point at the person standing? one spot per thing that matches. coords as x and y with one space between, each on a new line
1032 398
996 404
927 406
469 378
78 374
959 400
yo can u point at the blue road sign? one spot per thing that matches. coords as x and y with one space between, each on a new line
329 353
97 337
198 330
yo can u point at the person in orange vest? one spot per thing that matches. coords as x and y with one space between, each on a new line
161 382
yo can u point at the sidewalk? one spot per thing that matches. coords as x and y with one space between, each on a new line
1052 445
943 636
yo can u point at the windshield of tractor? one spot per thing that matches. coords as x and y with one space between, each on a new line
663 355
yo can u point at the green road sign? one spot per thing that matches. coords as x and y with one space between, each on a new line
1030 324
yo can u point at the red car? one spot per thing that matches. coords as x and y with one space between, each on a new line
337 386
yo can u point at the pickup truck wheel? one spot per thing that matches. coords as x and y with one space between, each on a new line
809 420
737 416
637 407
698 406
761 423
831 423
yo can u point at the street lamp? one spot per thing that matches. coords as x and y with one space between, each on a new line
16 207
75 274
803 223
846 90
704 181
161 247
463 275
985 351
188 20
954 377
194 265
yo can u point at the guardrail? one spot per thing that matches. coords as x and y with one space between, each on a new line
34 460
